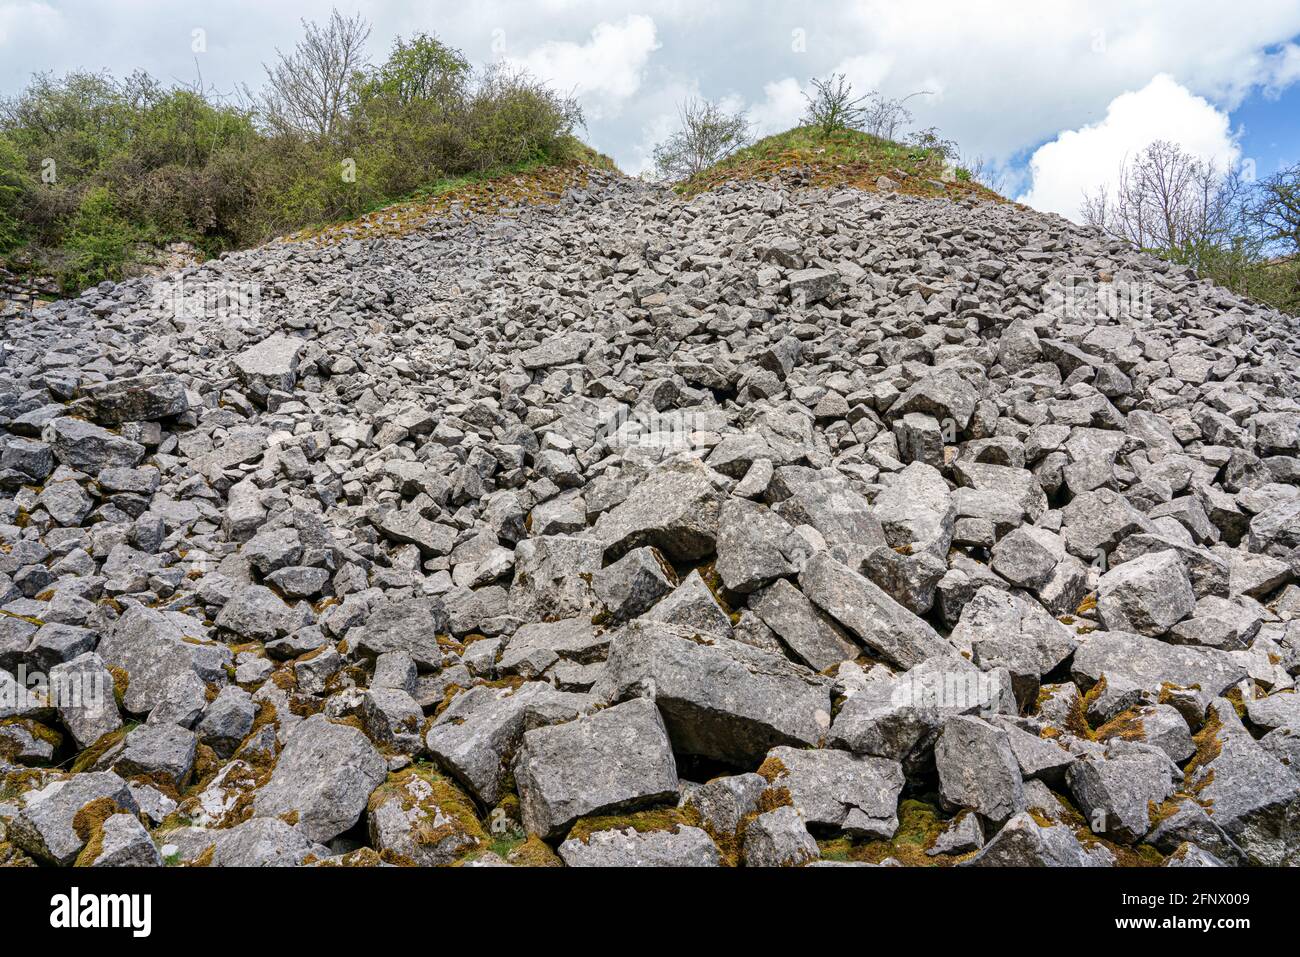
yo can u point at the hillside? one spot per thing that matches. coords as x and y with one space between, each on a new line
846 158
530 184
563 519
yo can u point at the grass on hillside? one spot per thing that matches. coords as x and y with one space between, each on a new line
537 182
844 158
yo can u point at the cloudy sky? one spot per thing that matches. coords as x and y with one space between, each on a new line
1052 93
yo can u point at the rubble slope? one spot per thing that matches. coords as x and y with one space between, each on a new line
773 526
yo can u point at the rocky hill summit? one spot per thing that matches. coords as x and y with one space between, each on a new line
776 526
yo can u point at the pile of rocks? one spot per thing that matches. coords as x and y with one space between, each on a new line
19 295
774 527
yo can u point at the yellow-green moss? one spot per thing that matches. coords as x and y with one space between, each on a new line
11 856
1078 722
87 759
919 826
773 798
361 857
448 799
533 852
88 824
643 822
121 684
17 783
205 859
206 764
1126 726
1238 702
771 769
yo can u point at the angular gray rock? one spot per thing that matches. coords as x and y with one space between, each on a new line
1116 791
422 818
1003 630
1249 794
725 802
676 510
963 835
901 718
124 842
477 736
779 838
834 789
45 827
269 366
719 698
978 769
755 546
553 576
159 751
83 691
261 842
1147 595
617 759
917 509
1023 842
879 622
135 398
90 448
534 649
153 648
682 847
1137 668
411 626
808 632
630 586
325 775
692 605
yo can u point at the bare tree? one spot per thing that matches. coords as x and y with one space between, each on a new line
308 89
1275 211
979 169
887 117
1169 201
708 134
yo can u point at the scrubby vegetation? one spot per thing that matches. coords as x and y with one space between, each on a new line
96 171
842 140
706 135
844 157
1243 234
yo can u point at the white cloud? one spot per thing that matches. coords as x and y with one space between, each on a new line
27 19
605 70
661 106
1090 157
866 72
1017 72
1007 76
654 132
784 101
780 109
1283 69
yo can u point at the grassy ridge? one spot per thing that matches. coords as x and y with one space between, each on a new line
534 183
844 158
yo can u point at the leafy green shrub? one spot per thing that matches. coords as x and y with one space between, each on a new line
13 188
94 169
98 241
1244 270
512 119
